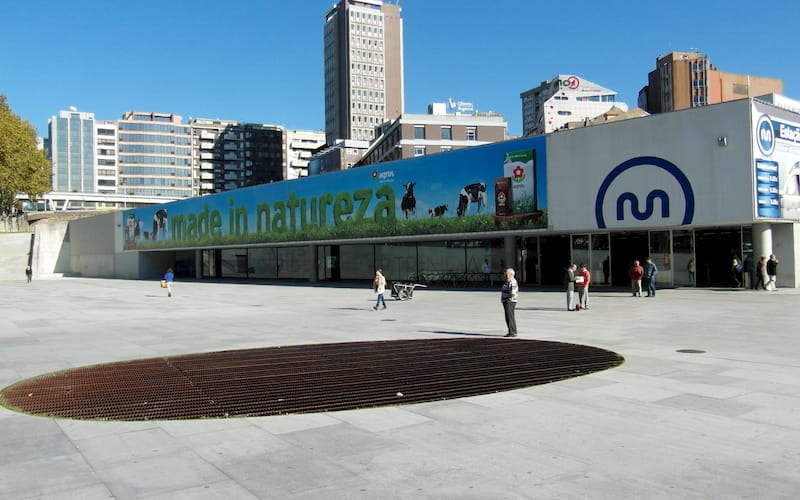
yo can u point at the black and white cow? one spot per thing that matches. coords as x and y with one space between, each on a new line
437 211
159 224
471 193
409 204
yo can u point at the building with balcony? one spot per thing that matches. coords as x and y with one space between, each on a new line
363 57
684 80
300 147
564 99
230 155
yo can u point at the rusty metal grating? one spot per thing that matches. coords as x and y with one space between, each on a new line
302 378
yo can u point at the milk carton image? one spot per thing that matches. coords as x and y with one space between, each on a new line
520 167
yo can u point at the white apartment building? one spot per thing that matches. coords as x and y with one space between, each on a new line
300 146
564 99
105 159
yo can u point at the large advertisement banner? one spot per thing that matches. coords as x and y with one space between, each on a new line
454 192
776 149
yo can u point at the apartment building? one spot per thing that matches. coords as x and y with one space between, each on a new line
230 155
684 80
300 147
564 99
363 64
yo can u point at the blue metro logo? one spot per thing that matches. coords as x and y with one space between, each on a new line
629 199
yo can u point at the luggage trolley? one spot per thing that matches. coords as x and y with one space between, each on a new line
404 291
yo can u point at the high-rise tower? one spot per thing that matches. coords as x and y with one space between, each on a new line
363 68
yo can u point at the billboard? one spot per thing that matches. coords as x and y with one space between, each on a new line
776 151
446 193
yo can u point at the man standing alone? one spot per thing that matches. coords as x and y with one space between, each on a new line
508 297
650 271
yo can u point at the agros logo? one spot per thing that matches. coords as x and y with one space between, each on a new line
653 202
765 135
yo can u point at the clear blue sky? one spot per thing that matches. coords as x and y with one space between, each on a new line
261 60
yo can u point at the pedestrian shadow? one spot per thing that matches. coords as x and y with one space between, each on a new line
541 308
463 334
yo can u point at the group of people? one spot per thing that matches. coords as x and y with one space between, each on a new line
576 279
643 276
766 274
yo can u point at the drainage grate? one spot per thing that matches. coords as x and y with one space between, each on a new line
302 378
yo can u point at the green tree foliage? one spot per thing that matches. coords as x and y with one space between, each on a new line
24 169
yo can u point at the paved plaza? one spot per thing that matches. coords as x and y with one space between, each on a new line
721 423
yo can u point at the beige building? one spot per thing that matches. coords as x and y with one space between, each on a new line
413 135
685 80
363 53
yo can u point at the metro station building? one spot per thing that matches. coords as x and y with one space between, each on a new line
703 185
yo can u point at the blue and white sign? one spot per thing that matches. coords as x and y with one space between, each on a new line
644 191
765 135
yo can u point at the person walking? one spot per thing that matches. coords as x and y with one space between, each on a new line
569 286
690 268
486 269
169 277
772 273
582 280
736 273
635 274
650 271
508 297
761 274
379 284
29 273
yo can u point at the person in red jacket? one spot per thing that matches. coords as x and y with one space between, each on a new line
582 280
635 274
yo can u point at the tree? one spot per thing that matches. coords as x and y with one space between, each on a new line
24 169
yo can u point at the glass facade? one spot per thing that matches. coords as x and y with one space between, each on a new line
71 149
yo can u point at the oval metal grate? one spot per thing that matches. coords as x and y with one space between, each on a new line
302 378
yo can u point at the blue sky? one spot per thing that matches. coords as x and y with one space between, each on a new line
261 60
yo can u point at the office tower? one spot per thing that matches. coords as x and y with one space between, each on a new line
70 147
562 100
363 53
155 155
685 80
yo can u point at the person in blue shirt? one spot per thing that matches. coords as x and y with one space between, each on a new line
650 271
169 277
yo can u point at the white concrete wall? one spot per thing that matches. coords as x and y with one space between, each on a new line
786 247
14 249
51 254
579 161
93 245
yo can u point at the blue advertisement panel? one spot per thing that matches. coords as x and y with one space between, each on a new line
454 192
777 164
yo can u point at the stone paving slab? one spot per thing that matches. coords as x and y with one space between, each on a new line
721 423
